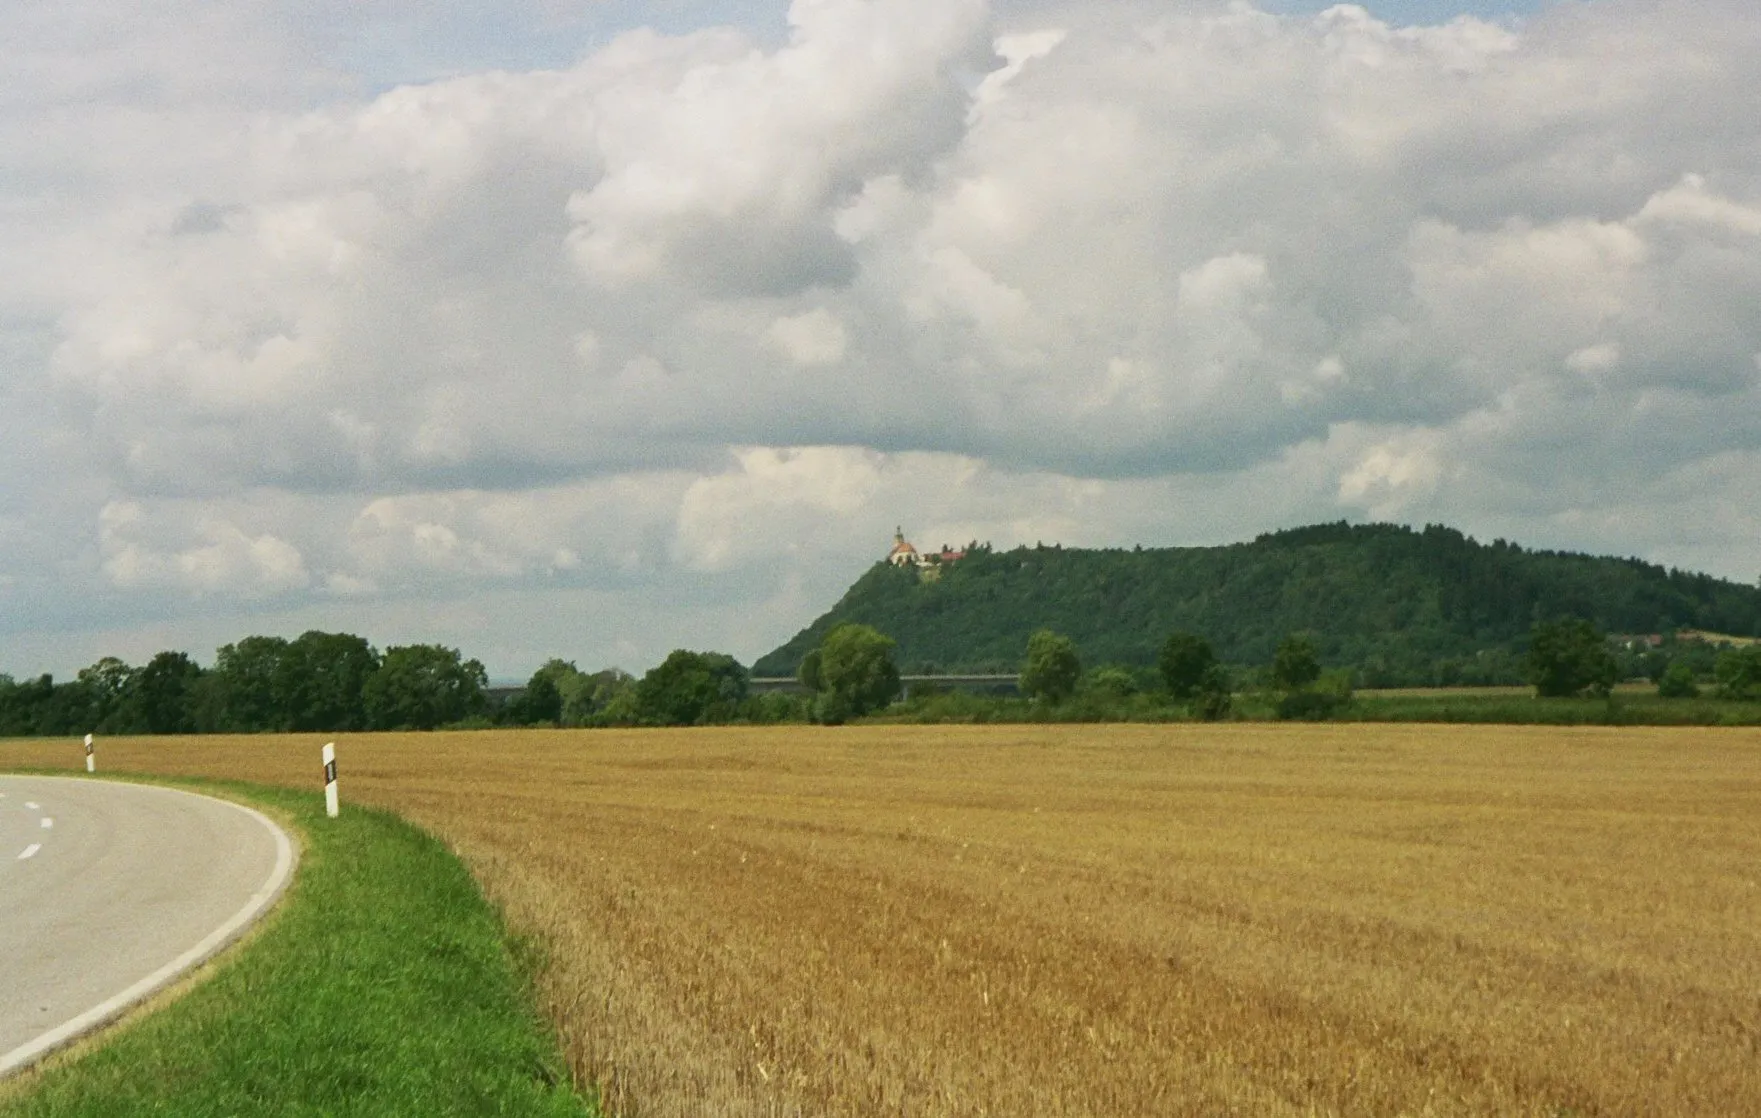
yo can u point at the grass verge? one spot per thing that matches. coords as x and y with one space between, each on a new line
383 984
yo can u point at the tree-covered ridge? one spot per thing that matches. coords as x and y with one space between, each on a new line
1404 606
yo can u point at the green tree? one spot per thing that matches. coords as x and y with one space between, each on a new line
620 709
163 693
808 674
1296 665
323 681
1569 657
1739 672
1184 660
423 686
1213 697
603 689
110 683
573 704
248 682
856 673
1052 668
690 688
1678 682
40 707
540 702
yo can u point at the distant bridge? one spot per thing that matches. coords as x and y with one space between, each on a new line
1009 684
990 684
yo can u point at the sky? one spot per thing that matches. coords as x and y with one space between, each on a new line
593 328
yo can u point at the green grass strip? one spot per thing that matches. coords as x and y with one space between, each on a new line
383 984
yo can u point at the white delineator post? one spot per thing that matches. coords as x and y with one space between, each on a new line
91 763
330 807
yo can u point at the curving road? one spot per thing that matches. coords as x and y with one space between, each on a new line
109 892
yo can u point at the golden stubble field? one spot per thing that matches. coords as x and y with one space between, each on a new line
1121 920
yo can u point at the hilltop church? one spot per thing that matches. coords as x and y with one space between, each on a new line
905 555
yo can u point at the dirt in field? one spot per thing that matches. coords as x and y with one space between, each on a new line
1136 920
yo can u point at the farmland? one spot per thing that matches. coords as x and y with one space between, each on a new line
1263 919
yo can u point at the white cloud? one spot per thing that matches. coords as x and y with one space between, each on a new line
721 162
1594 359
770 501
226 561
1691 203
1016 51
395 279
703 303
813 338
459 538
1391 476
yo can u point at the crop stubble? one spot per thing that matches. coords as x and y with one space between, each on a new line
1105 920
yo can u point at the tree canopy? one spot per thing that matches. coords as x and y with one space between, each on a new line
323 680
1183 662
1296 664
690 688
854 673
338 682
422 686
1739 673
1569 657
1052 668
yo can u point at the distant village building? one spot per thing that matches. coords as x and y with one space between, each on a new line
928 564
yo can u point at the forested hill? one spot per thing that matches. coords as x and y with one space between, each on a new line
1404 605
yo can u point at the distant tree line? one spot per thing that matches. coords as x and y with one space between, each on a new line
338 682
319 682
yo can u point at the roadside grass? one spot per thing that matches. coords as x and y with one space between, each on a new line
383 984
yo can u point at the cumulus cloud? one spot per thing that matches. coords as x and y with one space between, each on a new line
589 533
813 338
721 304
224 560
1390 476
1122 250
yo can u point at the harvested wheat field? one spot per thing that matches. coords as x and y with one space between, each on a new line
1104 920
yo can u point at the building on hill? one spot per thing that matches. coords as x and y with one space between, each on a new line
904 554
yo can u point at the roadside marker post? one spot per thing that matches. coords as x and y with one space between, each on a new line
330 807
91 762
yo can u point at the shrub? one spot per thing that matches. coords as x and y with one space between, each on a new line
1212 699
1110 683
1184 661
1739 673
1052 667
1678 682
1329 695
1296 664
1569 657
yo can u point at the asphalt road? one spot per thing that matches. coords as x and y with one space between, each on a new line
110 891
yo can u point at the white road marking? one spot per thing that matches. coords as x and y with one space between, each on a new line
47 822
30 851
